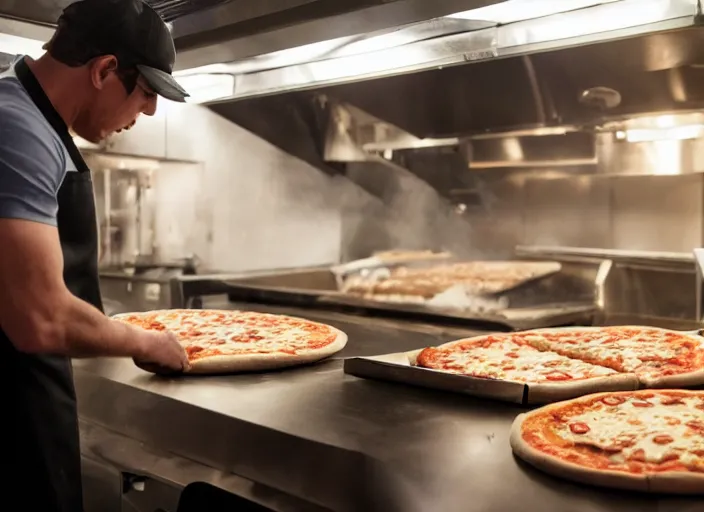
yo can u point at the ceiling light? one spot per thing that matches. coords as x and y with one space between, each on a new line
665 134
512 11
16 45
205 88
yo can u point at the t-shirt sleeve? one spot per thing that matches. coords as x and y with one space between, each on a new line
31 168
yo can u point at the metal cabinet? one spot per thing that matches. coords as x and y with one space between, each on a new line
102 486
148 495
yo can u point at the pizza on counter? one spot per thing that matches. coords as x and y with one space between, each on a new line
647 440
219 341
568 362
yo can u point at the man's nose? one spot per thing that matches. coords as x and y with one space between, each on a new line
150 108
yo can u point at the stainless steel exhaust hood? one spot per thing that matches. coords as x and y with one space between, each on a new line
46 12
241 29
438 43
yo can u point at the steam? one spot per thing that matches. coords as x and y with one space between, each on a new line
411 215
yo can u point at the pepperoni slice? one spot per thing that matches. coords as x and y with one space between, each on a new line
669 457
663 439
638 455
558 376
191 350
579 427
613 400
697 426
671 400
641 403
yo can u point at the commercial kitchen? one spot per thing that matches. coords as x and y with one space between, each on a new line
321 135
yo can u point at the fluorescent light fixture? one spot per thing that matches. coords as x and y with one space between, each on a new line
613 16
204 88
512 11
665 134
340 47
16 45
668 155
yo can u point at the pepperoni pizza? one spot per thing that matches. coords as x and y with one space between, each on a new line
569 362
229 341
648 440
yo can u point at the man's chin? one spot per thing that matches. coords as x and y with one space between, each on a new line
93 139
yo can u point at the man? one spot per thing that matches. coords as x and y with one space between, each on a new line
105 65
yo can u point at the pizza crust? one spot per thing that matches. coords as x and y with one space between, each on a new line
256 362
683 380
569 471
543 393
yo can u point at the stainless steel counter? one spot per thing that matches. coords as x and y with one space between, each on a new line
325 439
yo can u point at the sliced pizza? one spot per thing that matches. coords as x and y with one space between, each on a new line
648 440
505 356
229 341
660 357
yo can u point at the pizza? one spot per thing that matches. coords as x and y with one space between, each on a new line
218 341
425 282
400 255
568 362
659 357
507 357
647 440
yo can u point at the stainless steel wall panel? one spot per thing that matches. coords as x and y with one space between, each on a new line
497 221
573 212
657 213
647 293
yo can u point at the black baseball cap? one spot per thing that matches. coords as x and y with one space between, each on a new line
133 32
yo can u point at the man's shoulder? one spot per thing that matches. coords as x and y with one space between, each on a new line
16 107
22 125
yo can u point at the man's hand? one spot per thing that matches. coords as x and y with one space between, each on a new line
163 354
41 316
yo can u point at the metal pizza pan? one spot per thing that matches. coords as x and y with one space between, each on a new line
399 367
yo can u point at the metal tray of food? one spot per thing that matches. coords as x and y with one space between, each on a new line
400 367
410 281
555 315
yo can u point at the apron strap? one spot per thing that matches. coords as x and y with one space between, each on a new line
39 97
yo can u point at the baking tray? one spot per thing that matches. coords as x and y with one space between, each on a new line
544 269
399 367
546 316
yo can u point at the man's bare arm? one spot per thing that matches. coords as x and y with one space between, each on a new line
40 315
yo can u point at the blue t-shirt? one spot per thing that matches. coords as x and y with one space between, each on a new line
33 160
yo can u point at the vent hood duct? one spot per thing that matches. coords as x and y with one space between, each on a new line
424 47
576 88
512 110
245 28
46 12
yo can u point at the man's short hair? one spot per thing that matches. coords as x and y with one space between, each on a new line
70 49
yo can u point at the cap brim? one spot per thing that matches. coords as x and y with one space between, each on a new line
163 84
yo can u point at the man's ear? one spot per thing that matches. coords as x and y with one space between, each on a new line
101 70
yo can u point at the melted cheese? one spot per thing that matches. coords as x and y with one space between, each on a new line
630 432
510 361
233 332
643 352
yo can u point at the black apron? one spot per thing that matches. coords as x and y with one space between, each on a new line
42 467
